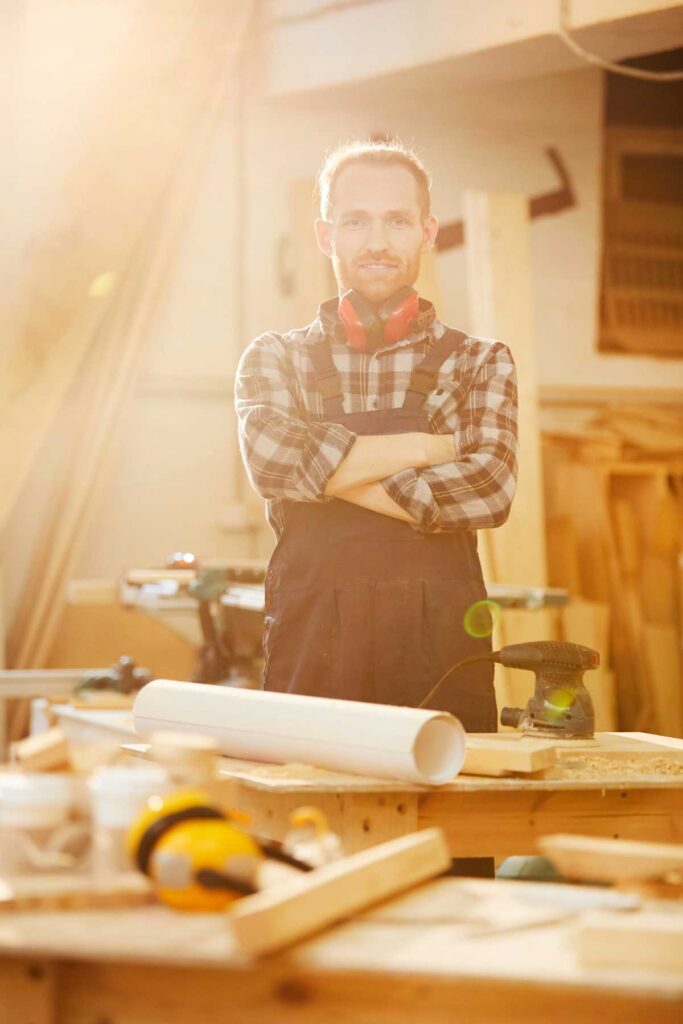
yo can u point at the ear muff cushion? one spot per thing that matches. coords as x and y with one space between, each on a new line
161 826
367 329
361 323
398 315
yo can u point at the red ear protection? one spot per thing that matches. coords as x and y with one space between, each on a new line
368 329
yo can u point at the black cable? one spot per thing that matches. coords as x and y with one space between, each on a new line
459 664
210 878
274 850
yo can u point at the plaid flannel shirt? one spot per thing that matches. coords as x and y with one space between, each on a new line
290 451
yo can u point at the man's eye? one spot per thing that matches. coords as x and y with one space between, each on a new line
398 222
353 222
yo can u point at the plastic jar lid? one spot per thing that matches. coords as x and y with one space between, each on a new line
34 800
119 793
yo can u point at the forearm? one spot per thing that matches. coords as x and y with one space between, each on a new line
374 497
374 457
474 493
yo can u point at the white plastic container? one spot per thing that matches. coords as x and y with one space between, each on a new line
118 794
33 807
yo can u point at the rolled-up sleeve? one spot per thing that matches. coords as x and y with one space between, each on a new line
475 491
286 455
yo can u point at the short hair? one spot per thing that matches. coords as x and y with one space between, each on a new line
368 152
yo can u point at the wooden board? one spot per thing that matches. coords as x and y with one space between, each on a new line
276 918
644 942
44 752
610 860
73 892
500 295
503 754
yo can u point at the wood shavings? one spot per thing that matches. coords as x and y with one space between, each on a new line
602 766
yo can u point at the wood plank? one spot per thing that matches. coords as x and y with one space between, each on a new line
44 752
501 306
645 942
610 860
277 918
71 892
504 753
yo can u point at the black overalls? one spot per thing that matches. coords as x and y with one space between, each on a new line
365 607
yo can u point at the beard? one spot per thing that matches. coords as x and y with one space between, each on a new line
376 286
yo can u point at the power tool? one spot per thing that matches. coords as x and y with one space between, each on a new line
561 706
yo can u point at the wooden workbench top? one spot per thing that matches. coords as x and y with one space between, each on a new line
645 750
450 927
489 939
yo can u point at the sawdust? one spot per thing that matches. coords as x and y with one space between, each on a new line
602 766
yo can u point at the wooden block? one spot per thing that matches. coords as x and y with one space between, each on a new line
647 941
610 860
74 892
504 753
46 751
274 919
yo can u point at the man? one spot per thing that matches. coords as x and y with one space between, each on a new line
382 441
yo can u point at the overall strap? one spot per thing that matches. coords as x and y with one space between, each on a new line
327 378
424 376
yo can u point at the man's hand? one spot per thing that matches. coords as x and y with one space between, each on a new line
378 456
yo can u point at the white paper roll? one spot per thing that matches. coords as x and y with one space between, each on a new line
342 735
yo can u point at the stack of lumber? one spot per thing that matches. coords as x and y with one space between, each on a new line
613 499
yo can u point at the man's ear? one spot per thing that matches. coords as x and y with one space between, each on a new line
323 234
430 230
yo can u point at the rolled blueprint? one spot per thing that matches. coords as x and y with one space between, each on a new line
411 744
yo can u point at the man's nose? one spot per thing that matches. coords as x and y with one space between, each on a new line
376 237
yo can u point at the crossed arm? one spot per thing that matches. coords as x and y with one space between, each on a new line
462 476
375 458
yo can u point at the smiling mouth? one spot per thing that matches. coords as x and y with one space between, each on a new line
375 265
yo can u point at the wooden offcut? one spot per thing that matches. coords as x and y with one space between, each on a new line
586 858
73 892
651 941
272 920
504 754
43 752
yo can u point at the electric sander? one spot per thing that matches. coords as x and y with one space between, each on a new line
561 706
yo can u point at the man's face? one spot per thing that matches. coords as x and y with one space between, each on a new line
377 234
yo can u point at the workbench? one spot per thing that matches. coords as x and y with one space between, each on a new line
454 949
480 817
